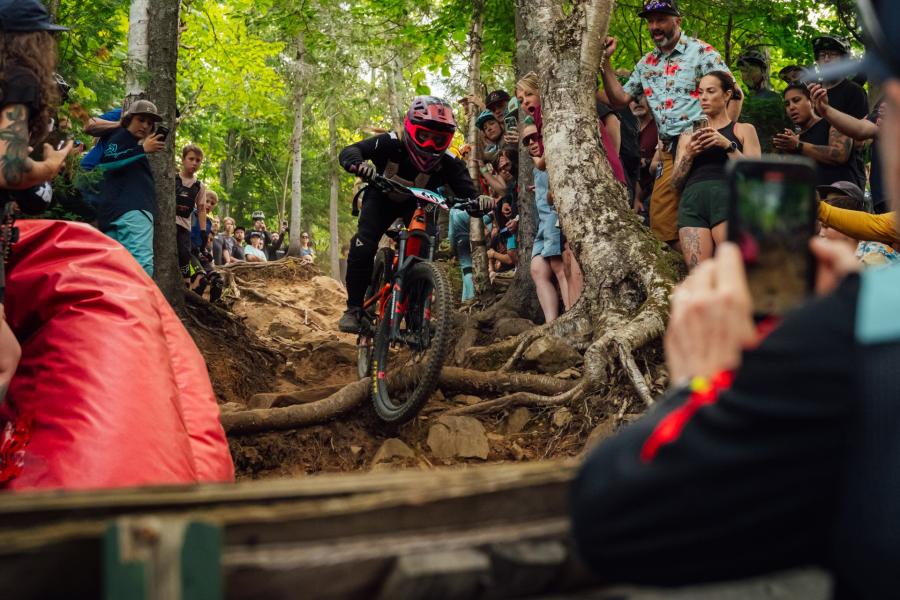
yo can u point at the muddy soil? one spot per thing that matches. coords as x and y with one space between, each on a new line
284 337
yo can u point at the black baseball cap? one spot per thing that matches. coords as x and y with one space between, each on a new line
26 15
495 97
666 7
258 234
845 188
880 20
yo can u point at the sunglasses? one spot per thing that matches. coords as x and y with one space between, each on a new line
532 138
305 237
495 106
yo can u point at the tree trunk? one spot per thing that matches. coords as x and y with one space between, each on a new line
53 9
521 296
333 231
138 51
226 172
296 149
628 275
476 227
394 101
151 73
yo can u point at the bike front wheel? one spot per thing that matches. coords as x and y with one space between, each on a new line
423 344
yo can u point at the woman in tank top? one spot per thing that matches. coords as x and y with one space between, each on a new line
700 169
834 152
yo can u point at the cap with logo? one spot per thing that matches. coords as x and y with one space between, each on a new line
665 7
143 107
496 97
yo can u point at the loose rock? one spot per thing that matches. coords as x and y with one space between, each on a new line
569 374
511 327
561 417
465 399
550 355
462 437
392 448
517 420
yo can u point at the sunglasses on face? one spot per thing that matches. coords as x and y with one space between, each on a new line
532 138
495 106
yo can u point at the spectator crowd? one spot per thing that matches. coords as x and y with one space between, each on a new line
669 127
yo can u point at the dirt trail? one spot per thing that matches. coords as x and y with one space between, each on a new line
293 309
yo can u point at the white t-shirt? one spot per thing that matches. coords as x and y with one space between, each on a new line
251 251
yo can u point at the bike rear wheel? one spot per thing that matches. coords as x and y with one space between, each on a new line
381 273
425 332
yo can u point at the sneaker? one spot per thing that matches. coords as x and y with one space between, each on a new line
349 322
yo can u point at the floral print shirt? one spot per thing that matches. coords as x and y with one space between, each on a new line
670 83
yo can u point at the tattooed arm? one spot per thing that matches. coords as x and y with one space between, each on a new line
837 152
17 170
684 159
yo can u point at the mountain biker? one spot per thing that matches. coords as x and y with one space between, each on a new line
419 158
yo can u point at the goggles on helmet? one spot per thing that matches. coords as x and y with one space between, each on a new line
425 137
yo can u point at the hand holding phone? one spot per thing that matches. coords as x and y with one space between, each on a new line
771 217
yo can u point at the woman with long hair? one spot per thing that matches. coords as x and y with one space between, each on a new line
700 169
28 95
307 252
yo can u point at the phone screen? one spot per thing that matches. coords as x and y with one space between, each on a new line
772 218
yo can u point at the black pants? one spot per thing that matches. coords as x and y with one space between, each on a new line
376 216
183 243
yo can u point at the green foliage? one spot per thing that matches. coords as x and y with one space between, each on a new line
239 58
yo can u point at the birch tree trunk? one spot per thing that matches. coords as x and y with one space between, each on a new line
476 227
628 275
333 231
151 73
299 96
395 102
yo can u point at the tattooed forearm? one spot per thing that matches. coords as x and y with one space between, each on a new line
837 152
680 173
14 161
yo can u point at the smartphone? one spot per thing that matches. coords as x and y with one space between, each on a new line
771 217
162 131
701 123
817 74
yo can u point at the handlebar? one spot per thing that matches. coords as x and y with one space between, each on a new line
385 185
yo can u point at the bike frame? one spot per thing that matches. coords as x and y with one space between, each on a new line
412 241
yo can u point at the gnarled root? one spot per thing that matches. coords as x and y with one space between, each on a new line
300 415
522 399
572 326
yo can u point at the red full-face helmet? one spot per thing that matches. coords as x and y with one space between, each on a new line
428 131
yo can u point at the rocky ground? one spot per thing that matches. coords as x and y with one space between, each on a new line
290 345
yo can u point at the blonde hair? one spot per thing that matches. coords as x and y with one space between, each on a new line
530 83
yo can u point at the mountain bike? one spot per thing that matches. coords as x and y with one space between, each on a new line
406 321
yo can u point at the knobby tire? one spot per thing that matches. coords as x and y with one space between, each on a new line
423 279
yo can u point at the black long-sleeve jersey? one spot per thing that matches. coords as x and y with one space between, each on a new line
797 463
386 148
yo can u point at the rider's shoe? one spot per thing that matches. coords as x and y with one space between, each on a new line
350 320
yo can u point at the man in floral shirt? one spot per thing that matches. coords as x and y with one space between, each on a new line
668 76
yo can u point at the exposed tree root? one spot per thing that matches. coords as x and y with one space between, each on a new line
300 415
468 381
570 326
634 373
521 399
490 357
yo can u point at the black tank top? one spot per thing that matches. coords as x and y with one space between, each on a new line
709 165
185 197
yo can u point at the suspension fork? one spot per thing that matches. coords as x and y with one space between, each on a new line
394 307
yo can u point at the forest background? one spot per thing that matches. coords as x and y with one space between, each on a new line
247 69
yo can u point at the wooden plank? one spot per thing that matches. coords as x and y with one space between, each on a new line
38 507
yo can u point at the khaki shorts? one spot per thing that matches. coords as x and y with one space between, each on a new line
664 203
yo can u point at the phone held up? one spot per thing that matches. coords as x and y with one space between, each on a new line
162 131
771 217
701 123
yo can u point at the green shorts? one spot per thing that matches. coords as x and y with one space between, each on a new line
703 204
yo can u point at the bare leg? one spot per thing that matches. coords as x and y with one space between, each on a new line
559 269
720 233
697 245
546 291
